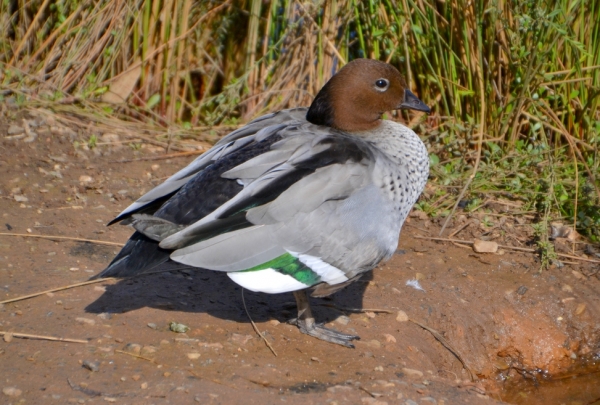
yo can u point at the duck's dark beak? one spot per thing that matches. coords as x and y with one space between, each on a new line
412 102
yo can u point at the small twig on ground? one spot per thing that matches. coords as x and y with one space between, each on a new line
583 259
87 391
447 345
200 377
66 287
520 249
41 337
358 310
162 157
368 392
137 356
256 328
98 242
416 227
94 393
99 280
459 229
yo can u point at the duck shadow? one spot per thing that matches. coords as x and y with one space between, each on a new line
212 292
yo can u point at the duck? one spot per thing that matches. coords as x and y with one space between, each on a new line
303 200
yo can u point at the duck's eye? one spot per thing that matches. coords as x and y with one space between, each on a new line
381 84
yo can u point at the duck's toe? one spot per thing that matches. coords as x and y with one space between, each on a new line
329 335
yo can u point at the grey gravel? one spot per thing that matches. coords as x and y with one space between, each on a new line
91 365
15 130
178 327
343 320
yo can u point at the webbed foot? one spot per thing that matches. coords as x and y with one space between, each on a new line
307 325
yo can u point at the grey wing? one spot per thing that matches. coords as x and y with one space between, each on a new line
326 218
255 131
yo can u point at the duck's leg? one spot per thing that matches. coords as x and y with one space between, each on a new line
306 323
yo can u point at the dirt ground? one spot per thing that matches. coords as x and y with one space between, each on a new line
522 333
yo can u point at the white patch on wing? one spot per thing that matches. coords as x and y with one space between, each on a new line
267 281
243 182
328 273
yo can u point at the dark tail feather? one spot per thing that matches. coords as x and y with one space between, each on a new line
139 255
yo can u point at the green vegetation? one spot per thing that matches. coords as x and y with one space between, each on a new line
515 85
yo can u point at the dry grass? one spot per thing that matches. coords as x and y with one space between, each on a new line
499 74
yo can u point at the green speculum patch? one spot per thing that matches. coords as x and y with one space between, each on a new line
291 266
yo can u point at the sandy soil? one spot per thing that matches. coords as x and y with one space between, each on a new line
508 322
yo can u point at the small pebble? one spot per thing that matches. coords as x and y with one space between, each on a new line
567 288
144 385
337 388
412 372
133 348
178 327
240 339
8 337
15 130
343 320
136 377
110 138
372 401
87 321
193 356
389 338
148 350
211 345
91 365
152 326
482 246
11 391
402 316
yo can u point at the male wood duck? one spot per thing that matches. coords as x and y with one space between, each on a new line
301 200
